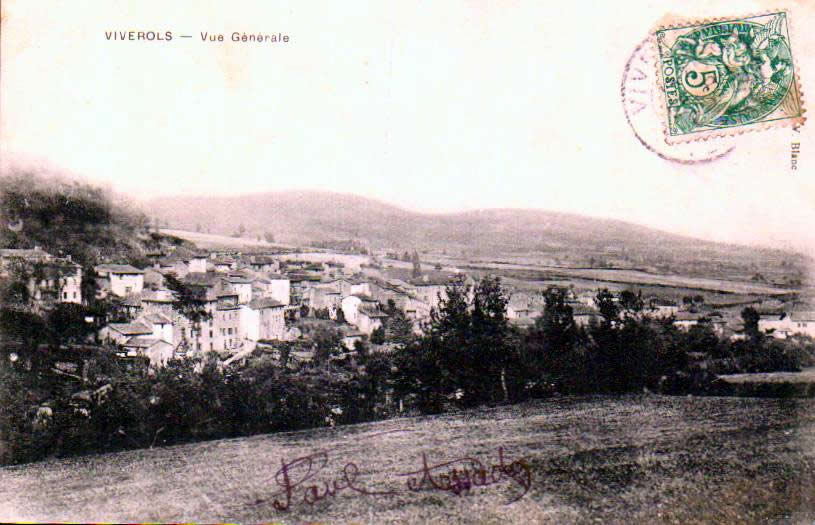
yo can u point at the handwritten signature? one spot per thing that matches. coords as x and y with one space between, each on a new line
297 481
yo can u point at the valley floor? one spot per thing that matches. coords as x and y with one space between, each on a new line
637 459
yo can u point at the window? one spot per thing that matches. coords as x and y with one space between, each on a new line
65 295
210 334
74 295
230 331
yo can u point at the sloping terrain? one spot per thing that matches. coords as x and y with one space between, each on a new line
570 460
308 218
315 215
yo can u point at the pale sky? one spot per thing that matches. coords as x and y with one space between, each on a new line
432 106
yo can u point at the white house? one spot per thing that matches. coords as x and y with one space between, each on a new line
197 264
156 350
351 304
58 279
242 285
263 319
120 333
518 306
279 288
583 315
71 285
663 307
803 323
779 325
363 312
325 297
161 326
122 279
684 320
783 325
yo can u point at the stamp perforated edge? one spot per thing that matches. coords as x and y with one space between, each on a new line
677 22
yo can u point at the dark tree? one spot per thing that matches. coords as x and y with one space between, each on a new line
378 335
398 328
189 300
630 302
66 324
750 317
609 309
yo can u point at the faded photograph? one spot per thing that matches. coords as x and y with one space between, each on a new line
466 262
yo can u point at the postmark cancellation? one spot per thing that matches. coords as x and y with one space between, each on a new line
728 76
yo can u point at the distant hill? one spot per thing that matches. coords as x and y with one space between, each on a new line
297 216
300 216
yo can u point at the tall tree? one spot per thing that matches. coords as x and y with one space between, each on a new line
750 318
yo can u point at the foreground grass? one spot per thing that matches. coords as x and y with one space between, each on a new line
590 460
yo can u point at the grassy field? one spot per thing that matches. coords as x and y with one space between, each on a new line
637 277
576 460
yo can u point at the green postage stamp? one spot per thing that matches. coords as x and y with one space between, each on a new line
726 77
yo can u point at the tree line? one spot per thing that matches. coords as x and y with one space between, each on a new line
468 354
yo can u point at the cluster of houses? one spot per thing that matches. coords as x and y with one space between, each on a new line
48 279
248 299
781 322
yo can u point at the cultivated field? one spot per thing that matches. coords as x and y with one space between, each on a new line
569 460
211 241
637 277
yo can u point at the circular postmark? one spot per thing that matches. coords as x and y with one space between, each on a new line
639 92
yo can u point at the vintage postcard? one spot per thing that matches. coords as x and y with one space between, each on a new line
463 262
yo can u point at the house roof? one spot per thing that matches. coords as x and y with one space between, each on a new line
24 253
202 278
223 260
803 316
157 296
518 302
264 302
688 316
130 328
132 300
581 309
261 259
144 342
170 260
238 279
211 285
662 302
438 279
296 276
372 313
118 268
156 319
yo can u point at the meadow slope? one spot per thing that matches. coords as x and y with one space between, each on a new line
630 460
